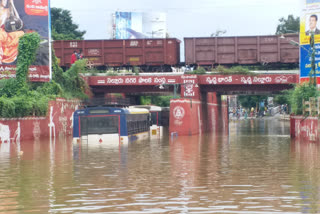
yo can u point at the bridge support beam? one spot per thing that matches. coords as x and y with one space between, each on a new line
217 113
195 116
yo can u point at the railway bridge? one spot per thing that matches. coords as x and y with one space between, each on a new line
201 106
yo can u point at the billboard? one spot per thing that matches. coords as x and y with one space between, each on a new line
135 25
19 17
309 24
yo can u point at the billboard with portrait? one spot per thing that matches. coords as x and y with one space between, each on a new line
136 25
309 24
17 18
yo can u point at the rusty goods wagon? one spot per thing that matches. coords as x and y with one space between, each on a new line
247 50
145 53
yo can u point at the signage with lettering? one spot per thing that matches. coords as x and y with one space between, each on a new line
309 27
17 18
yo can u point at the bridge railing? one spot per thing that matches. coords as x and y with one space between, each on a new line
312 106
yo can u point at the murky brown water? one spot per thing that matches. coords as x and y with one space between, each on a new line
256 169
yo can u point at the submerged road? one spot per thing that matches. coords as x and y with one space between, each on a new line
257 168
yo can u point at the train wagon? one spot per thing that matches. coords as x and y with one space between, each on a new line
245 50
148 54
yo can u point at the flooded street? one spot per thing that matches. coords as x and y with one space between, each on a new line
257 168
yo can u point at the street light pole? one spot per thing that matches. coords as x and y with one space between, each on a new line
313 55
175 88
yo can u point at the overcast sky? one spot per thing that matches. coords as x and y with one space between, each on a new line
186 18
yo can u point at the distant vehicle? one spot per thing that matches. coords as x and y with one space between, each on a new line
110 126
159 118
152 55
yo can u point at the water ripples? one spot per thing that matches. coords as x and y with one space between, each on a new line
257 169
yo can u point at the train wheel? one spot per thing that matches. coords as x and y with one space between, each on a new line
90 64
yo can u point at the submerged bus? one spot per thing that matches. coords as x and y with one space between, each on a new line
159 118
110 125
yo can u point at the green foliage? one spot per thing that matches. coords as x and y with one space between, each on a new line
289 25
233 70
28 45
300 93
22 105
163 101
30 104
7 108
63 27
240 69
8 87
71 82
200 70
251 101
136 70
282 98
57 71
50 88
68 84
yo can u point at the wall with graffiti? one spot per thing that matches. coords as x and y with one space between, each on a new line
305 128
58 122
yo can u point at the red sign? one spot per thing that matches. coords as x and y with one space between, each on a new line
192 82
36 73
248 80
36 7
134 80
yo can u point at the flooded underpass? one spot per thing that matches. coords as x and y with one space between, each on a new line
256 168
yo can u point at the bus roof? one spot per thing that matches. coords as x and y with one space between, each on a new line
137 110
149 107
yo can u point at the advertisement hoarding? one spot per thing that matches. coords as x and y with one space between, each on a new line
309 24
19 17
136 25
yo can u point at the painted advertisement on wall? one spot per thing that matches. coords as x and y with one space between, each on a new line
309 24
17 18
136 25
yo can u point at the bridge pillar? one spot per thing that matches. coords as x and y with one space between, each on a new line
195 116
186 117
217 113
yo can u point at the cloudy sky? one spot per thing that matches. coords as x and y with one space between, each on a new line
186 18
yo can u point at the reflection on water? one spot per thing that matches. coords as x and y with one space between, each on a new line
257 168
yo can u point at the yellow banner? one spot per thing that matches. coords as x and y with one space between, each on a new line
309 21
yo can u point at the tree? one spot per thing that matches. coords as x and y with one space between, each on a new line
289 25
251 101
63 27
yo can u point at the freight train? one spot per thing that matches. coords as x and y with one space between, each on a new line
164 54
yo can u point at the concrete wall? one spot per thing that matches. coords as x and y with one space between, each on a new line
58 122
305 128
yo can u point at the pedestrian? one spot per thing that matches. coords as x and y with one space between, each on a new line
73 57
79 55
252 112
285 108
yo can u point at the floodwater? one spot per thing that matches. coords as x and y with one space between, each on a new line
255 169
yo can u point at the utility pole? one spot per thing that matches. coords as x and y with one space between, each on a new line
313 64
